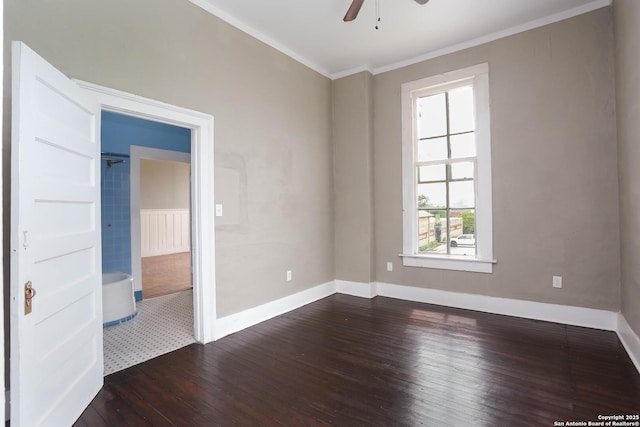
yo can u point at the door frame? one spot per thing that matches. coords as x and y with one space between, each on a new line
138 153
202 191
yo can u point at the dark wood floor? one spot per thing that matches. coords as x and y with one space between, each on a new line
166 274
355 362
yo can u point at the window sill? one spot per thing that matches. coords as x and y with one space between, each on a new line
475 265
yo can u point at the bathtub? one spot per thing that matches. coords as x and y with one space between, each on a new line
118 301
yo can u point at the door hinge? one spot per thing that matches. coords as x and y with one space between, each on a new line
29 293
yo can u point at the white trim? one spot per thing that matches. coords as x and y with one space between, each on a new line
4 399
356 289
589 7
473 265
231 20
563 314
203 212
137 153
586 8
568 315
250 317
351 71
478 75
629 340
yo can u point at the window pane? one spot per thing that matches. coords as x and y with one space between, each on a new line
468 219
432 116
461 194
461 116
432 195
463 145
432 149
462 229
462 170
432 234
432 173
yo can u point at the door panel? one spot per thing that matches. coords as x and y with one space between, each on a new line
56 350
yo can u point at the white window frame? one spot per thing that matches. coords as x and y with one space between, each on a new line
483 262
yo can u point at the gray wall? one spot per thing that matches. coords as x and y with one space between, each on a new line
164 185
554 162
627 36
554 148
353 177
272 124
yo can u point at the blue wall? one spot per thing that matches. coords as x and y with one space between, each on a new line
118 134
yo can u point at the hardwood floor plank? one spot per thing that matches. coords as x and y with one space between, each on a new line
90 417
115 411
380 362
166 274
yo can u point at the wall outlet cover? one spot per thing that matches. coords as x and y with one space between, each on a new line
557 282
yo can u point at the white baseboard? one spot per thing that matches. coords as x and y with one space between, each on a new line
569 315
629 340
239 321
356 289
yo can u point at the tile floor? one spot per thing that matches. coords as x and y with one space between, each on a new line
163 324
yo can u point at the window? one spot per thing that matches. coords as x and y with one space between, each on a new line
446 154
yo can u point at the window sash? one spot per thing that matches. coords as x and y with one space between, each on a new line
477 76
447 163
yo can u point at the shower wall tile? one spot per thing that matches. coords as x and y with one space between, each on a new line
116 224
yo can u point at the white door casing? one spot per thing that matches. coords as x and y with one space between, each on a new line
202 191
56 350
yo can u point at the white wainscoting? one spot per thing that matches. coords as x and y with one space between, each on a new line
164 231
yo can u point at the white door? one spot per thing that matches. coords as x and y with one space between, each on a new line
56 350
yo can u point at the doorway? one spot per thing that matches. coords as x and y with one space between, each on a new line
161 220
202 215
165 228
145 221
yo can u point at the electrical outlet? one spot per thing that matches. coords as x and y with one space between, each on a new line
218 210
557 282
389 266
288 275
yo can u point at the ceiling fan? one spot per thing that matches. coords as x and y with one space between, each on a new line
353 10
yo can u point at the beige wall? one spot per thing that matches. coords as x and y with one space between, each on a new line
555 191
627 37
272 124
164 185
554 150
353 177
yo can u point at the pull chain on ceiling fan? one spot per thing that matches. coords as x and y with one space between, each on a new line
353 10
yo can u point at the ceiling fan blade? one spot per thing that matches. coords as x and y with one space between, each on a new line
422 1
352 13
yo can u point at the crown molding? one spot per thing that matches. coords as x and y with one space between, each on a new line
589 7
204 4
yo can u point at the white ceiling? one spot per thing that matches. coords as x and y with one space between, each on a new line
312 31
